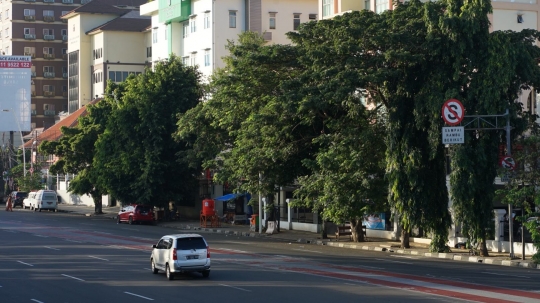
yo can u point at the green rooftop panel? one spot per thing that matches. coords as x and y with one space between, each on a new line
174 10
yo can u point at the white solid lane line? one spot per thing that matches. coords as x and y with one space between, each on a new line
497 274
235 287
41 236
36 301
98 258
51 248
393 261
73 277
311 251
25 263
72 241
136 295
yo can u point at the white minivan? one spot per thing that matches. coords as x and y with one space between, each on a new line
45 199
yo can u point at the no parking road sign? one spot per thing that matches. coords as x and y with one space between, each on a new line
453 112
508 163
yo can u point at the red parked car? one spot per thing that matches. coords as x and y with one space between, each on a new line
135 213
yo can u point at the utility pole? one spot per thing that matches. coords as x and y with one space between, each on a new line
510 207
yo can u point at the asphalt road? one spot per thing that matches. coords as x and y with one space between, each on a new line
55 257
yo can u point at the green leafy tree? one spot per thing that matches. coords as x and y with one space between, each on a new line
245 130
523 190
137 149
76 149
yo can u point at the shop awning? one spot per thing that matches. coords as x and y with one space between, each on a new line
228 197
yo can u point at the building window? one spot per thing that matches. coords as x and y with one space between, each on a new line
367 4
207 57
28 12
232 19
296 21
185 29
7 13
48 88
154 36
47 31
326 8
64 12
48 69
206 20
97 53
381 6
312 16
193 25
29 31
6 32
272 21
149 52
48 50
193 59
48 13
185 60
29 51
63 32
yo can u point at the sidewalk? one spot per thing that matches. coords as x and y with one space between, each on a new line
373 244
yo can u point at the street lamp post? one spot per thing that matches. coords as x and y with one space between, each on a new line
22 140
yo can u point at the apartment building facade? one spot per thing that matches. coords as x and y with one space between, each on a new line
34 28
107 40
198 30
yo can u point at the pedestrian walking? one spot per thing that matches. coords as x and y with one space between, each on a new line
172 210
9 204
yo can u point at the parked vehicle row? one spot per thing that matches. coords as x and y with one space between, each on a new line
41 200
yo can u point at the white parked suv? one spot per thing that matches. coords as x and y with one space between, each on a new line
181 253
27 202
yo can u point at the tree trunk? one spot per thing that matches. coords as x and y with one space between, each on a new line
98 204
324 231
405 238
420 232
356 229
483 249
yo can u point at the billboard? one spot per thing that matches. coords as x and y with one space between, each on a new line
15 93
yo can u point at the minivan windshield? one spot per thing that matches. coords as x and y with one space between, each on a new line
190 243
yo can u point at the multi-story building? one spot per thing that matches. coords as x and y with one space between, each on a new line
34 28
107 41
198 30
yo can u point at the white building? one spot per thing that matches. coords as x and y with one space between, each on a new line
198 30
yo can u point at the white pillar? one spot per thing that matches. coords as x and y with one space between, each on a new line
499 230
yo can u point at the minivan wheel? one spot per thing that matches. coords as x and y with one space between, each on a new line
154 269
169 273
130 220
206 273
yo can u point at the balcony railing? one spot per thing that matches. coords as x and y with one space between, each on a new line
48 74
64 38
49 112
34 112
29 0
48 37
48 94
33 74
64 75
85 1
29 36
48 1
48 56
64 21
67 1
48 18
30 18
33 55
